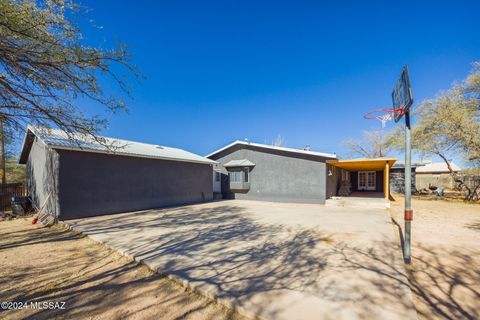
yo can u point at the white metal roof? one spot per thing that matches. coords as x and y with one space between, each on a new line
437 167
58 139
266 146
239 163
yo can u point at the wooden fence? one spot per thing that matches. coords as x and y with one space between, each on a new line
8 191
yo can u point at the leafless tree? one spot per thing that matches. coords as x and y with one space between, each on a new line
46 68
449 125
373 145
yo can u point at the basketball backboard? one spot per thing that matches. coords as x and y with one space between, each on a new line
402 95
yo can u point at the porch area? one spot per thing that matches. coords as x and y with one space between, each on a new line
359 182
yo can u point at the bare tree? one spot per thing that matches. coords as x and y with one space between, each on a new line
45 68
373 145
449 125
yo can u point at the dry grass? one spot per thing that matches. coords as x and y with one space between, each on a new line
445 270
449 196
56 264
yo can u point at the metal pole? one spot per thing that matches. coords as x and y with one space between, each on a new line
408 190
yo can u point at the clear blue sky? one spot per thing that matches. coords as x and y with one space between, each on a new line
224 70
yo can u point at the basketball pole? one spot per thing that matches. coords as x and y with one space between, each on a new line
408 190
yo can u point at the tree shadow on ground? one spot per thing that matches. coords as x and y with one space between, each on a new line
92 280
445 281
223 250
37 236
473 226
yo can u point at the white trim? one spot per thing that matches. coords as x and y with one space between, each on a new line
265 146
367 187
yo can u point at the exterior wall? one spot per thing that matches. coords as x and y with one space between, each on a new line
443 180
42 177
94 184
378 181
277 175
333 181
397 180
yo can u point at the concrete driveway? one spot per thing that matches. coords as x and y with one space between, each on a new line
271 260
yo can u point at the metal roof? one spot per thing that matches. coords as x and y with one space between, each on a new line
437 167
401 164
266 146
239 163
58 139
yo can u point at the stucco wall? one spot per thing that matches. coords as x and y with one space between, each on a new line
443 180
42 177
333 181
397 180
277 175
95 184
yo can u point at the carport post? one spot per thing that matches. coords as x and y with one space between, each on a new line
408 190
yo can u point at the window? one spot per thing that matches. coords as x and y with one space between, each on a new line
371 179
217 176
246 171
235 176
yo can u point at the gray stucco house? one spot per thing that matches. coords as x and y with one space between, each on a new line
256 171
262 172
83 177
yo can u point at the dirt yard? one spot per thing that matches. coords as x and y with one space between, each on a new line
445 270
58 265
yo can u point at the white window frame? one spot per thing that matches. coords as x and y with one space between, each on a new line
367 187
246 174
235 176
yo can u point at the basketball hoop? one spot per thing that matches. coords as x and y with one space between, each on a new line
383 114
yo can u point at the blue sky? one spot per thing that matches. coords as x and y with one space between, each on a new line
218 71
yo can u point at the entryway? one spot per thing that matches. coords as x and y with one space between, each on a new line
367 180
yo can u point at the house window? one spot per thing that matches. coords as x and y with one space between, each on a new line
235 176
247 174
217 176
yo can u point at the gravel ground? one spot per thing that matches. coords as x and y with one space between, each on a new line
445 270
59 265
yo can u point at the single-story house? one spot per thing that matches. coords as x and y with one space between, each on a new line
81 177
435 174
256 171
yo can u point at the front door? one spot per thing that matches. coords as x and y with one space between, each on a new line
217 184
367 180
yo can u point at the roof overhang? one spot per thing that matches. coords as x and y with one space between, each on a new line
268 147
239 163
32 132
376 164
28 139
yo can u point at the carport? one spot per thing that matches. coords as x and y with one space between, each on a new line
367 177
